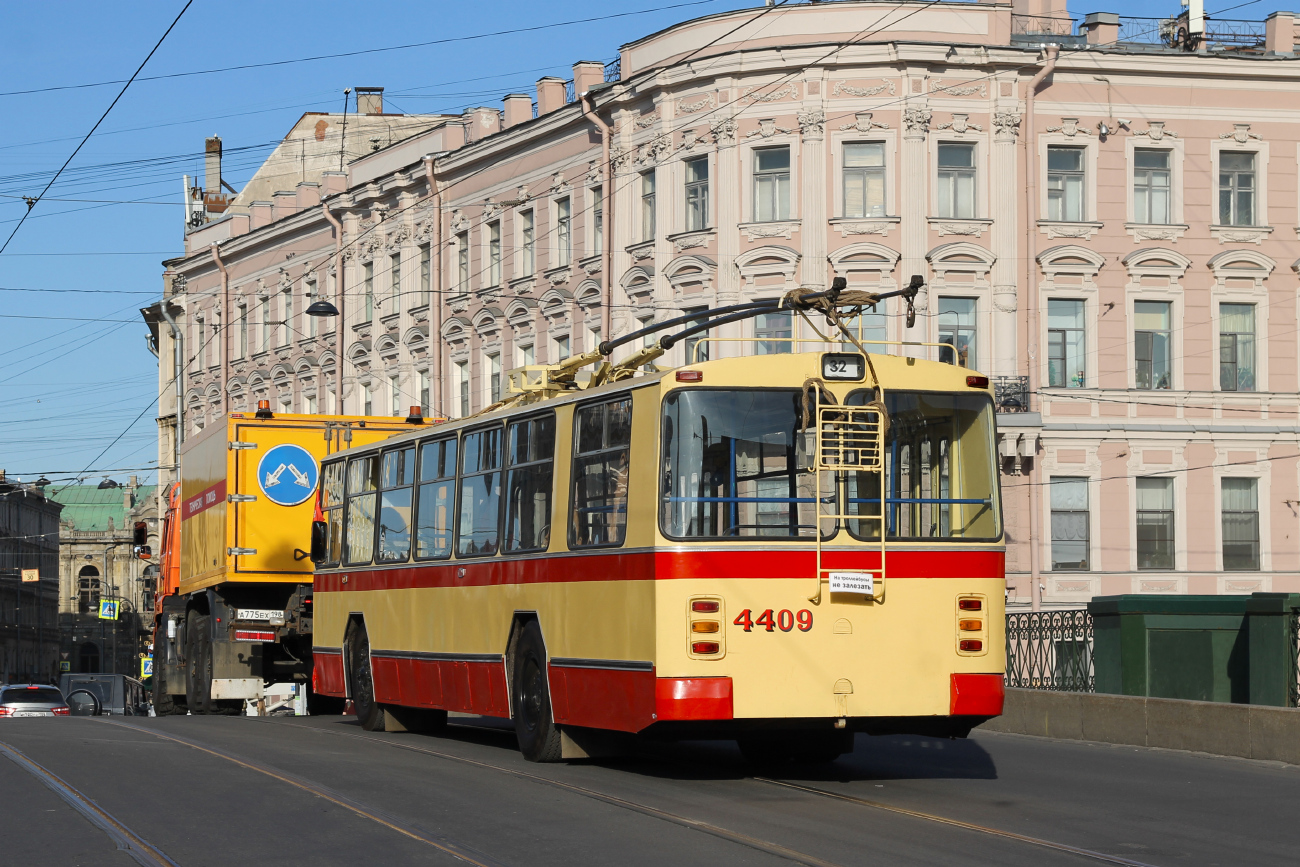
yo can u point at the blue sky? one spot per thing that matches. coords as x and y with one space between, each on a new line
76 372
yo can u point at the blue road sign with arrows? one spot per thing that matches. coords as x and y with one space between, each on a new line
287 475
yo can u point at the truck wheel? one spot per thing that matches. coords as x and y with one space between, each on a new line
539 736
198 664
163 703
361 683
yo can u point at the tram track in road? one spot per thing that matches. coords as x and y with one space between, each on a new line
744 839
442 843
139 849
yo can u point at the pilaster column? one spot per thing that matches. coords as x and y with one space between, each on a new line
915 203
1004 238
813 210
727 199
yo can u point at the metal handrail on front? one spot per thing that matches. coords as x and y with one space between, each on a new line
848 438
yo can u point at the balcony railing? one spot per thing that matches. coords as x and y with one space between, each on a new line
1050 650
614 69
1011 393
1163 31
1043 25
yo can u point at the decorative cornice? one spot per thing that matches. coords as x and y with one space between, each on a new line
1080 230
1241 234
706 101
781 229
851 226
1241 134
937 88
767 128
960 123
862 122
1070 128
845 87
1156 131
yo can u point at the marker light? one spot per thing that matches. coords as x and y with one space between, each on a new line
263 409
970 645
703 647
704 626
977 381
970 625
704 606
690 376
970 604
62 711
416 416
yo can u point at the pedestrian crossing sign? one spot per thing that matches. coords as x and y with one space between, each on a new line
146 666
108 610
65 666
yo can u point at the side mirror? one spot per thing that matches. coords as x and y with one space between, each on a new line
320 538
140 534
144 552
83 702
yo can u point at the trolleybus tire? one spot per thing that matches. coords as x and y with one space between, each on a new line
539 736
361 683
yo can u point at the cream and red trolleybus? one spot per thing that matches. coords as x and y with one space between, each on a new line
783 549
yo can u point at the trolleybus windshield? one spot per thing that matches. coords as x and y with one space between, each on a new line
731 469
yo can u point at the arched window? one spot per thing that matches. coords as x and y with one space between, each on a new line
88 658
88 590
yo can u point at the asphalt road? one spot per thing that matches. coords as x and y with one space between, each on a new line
320 791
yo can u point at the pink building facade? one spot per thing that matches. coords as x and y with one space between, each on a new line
1108 227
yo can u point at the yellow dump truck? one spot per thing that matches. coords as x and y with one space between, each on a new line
234 613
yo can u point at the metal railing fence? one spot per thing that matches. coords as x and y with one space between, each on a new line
1294 698
1050 650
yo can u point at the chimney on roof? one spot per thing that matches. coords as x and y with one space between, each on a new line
370 100
1102 28
519 108
550 94
212 165
1279 33
586 75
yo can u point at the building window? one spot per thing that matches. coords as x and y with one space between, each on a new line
870 325
395 395
1237 347
771 184
462 387
286 324
1236 189
1065 348
527 355
957 181
395 284
864 179
286 405
367 400
426 275
593 338
88 590
494 253
310 404
1152 356
697 194
563 232
1151 186
773 332
597 220
462 263
957 329
1065 184
648 205
425 406
1241 525
243 331
1069 498
312 323
1155 523
561 347
527 259
696 348
368 291
494 377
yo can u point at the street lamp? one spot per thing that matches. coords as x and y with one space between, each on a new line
322 308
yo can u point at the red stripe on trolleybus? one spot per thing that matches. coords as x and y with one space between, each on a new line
661 565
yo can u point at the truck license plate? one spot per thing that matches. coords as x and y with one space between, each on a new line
267 615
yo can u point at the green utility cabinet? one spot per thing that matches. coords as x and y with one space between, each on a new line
1189 647
1272 647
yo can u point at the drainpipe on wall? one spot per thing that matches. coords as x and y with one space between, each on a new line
178 347
607 233
338 302
1032 313
225 313
435 330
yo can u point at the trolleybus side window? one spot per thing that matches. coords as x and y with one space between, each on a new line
940 463
603 434
363 480
478 532
332 504
730 466
531 456
396 475
437 503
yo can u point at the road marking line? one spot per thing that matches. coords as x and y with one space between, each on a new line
140 850
957 823
694 824
455 850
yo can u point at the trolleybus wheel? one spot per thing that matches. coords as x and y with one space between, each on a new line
361 683
198 664
539 737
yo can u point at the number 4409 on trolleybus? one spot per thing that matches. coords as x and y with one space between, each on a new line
783 549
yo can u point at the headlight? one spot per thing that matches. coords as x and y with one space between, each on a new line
844 366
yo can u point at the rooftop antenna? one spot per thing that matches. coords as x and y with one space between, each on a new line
343 137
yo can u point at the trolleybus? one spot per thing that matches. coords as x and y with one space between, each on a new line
783 549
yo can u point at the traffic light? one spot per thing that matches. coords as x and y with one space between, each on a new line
140 536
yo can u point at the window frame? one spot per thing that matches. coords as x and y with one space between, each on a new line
1081 174
460 489
866 172
977 199
345 548
527 242
445 479
972 357
1234 190
574 476
1086 511
703 194
493 247
1082 330
563 209
508 468
1173 524
1173 354
1236 349
1172 205
379 501
779 214
1259 526
649 212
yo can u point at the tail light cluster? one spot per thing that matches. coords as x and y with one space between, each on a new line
704 619
972 626
62 711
